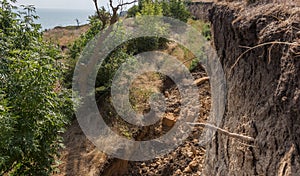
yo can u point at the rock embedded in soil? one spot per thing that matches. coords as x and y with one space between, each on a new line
193 165
187 170
169 120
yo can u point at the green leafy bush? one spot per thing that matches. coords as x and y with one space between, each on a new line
34 108
133 11
175 9
206 32
169 8
79 44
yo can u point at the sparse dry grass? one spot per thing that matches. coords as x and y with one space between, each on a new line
143 88
64 36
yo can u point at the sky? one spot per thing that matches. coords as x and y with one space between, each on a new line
66 4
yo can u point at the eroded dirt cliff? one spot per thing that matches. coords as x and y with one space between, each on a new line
259 47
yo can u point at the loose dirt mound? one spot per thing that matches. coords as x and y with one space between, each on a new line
259 47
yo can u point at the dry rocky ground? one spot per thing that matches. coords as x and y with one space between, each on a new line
187 159
80 157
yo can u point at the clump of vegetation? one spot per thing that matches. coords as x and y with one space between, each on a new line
34 108
201 26
169 8
206 32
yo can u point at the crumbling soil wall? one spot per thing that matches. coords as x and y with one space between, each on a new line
263 83
199 10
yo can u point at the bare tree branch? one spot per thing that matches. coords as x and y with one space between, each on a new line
114 17
103 16
126 3
201 80
97 8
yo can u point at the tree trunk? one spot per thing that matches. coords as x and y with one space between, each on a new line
263 99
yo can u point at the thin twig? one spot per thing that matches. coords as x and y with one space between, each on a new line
185 61
126 3
257 46
225 132
244 46
247 145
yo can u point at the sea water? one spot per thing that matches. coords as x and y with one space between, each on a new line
50 18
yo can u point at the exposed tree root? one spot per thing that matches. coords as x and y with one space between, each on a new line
225 132
201 80
260 45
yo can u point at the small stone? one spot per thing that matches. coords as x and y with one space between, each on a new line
190 154
193 165
153 165
151 173
298 34
178 172
284 98
167 94
194 151
187 170
169 120
177 110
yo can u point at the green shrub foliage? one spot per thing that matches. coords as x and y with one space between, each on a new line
206 32
169 8
33 107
